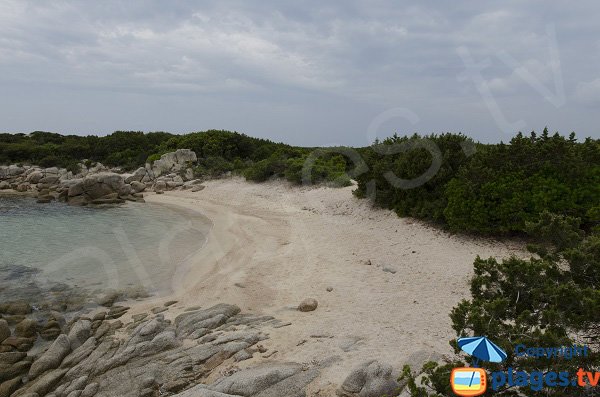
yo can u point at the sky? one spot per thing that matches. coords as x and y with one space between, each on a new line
306 73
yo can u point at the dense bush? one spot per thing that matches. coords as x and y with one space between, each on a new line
550 300
320 166
126 149
219 153
495 189
505 186
410 174
262 170
212 167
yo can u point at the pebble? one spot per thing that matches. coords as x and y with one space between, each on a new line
308 305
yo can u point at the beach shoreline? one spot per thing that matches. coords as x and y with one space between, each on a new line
393 281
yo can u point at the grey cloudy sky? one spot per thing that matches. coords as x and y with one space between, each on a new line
308 73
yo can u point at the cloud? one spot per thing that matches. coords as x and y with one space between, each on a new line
337 64
589 92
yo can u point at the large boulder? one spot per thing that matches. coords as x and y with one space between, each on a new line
188 322
26 328
35 177
4 330
174 161
137 176
9 387
14 170
110 179
137 186
125 190
79 333
370 379
74 187
159 186
254 380
15 308
52 358
50 179
78 201
93 189
51 171
98 167
97 186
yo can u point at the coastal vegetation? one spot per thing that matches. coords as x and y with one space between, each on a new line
492 189
543 187
219 152
448 179
550 300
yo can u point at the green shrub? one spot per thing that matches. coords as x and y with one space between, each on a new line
258 172
153 157
49 161
547 301
319 166
495 189
410 174
505 186
212 167
73 167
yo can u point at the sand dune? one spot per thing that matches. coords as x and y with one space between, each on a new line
272 245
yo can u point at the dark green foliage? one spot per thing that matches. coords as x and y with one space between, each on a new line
212 167
126 149
505 186
554 234
153 157
219 153
410 174
320 166
262 170
488 189
547 301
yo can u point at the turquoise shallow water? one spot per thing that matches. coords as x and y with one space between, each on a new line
138 244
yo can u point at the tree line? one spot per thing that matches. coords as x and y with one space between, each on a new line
544 187
219 152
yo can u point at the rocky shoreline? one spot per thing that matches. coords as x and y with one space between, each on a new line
200 353
96 185
169 350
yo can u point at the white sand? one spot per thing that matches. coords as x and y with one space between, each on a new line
283 244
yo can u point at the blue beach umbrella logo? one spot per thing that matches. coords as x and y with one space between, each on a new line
472 381
481 348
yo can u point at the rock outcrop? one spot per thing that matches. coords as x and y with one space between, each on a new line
52 357
4 330
201 352
152 356
98 185
174 162
98 189
370 379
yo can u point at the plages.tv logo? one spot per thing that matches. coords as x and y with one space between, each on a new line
472 381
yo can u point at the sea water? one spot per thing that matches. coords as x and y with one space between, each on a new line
137 245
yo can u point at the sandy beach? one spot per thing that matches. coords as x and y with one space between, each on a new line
272 245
